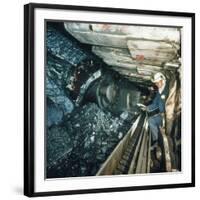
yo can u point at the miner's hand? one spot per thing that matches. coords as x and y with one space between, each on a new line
142 106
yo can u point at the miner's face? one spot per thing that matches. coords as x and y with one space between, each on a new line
159 84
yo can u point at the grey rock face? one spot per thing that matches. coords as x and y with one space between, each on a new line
63 56
78 139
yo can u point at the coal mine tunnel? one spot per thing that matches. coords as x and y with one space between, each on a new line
97 75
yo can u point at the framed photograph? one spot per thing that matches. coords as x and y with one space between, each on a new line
109 99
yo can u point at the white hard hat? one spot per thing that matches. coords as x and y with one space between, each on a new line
157 77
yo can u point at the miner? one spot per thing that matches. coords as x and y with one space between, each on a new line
156 109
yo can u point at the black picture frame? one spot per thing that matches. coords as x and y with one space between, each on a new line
29 109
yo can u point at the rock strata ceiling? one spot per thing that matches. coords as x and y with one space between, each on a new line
137 52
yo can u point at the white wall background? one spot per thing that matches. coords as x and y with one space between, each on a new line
11 98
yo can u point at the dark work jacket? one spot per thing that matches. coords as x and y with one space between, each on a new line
159 100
